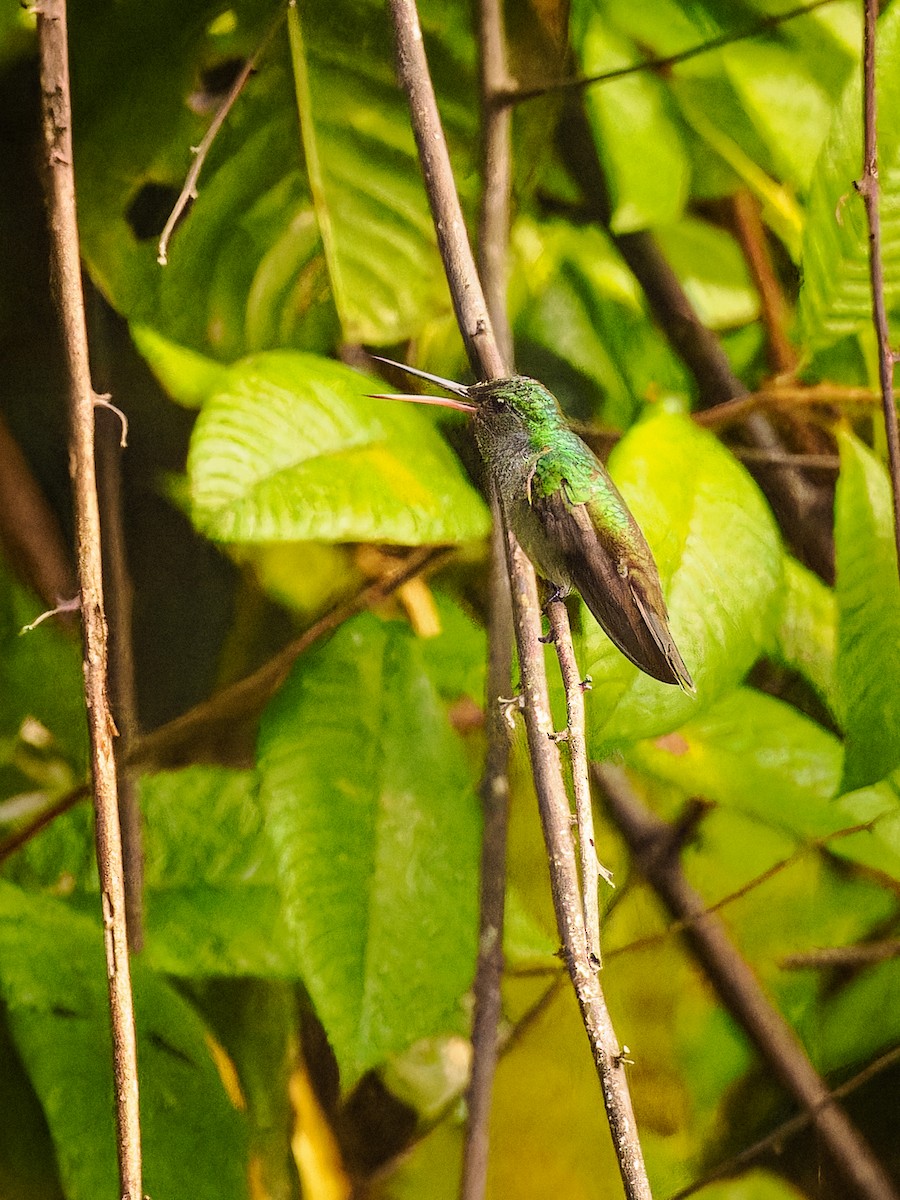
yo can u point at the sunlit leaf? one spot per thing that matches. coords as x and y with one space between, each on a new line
294 449
806 636
868 603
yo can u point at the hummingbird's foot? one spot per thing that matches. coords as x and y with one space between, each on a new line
562 736
547 639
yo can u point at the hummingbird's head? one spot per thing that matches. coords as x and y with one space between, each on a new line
517 401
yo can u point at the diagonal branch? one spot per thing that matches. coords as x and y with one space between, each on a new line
519 96
475 327
60 197
650 842
868 188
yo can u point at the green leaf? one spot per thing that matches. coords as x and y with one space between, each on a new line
806 636
647 187
757 755
868 602
53 984
713 271
188 377
212 901
377 231
376 828
787 103
293 449
720 561
835 298
40 673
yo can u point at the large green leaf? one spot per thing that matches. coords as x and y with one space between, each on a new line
868 601
257 263
648 187
53 984
757 755
720 560
376 829
293 449
378 235
836 298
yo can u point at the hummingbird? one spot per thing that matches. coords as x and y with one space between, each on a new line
568 515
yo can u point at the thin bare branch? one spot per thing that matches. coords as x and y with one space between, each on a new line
581 785
787 396
45 817
189 191
862 954
868 188
650 842
496 171
60 196
519 96
475 327
788 1129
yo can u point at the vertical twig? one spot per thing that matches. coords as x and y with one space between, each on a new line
475 326
652 844
495 805
496 171
581 786
868 188
60 191
123 698
493 236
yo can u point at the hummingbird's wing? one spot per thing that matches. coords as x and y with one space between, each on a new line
617 578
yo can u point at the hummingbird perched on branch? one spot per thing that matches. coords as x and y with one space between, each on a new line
567 513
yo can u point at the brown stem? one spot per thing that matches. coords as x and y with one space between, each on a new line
650 843
493 237
46 817
476 329
752 236
868 187
496 171
784 396
581 786
60 197
29 532
861 955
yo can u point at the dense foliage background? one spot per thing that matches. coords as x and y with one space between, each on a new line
311 877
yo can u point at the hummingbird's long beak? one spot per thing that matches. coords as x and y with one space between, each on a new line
455 389
440 401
